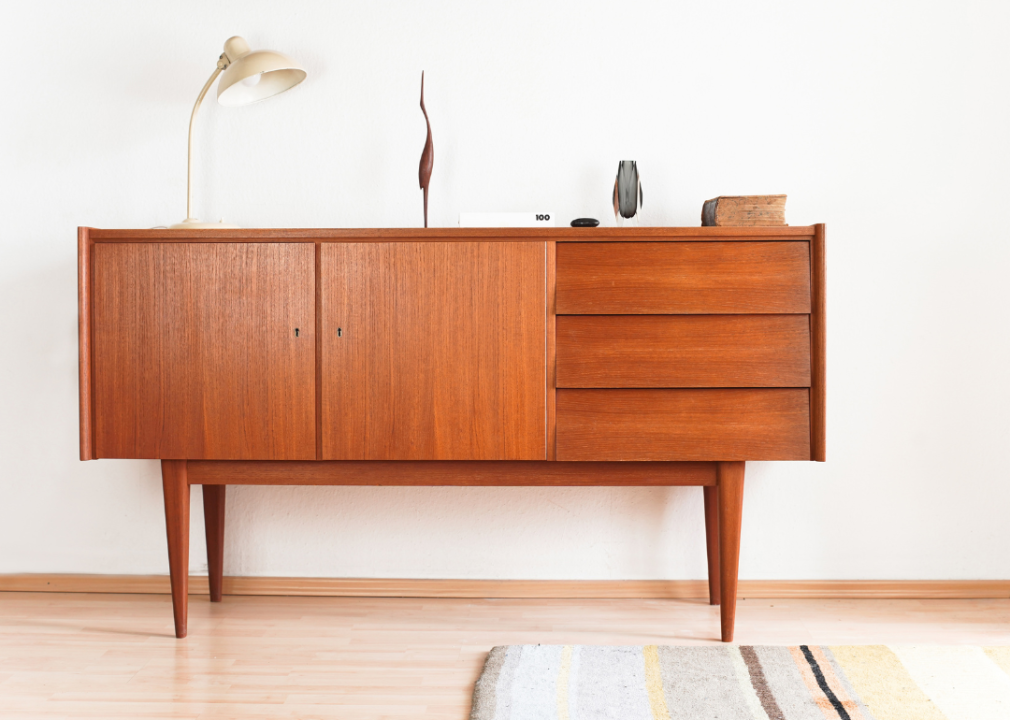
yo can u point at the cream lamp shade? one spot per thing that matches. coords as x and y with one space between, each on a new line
255 76
246 77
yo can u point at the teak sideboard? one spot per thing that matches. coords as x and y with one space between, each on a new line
569 356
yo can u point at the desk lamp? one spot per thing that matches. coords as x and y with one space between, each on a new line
248 77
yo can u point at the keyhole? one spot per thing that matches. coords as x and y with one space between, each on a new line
296 332
340 332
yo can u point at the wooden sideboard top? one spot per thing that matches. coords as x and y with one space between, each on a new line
570 234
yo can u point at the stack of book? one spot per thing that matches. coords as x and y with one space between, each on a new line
744 210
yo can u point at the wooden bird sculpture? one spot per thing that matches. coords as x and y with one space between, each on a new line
627 190
427 157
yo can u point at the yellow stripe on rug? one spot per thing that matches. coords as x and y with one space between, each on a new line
654 683
563 674
883 683
1000 656
962 680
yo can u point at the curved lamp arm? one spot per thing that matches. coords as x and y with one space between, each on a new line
270 74
222 63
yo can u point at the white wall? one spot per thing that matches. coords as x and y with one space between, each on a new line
887 120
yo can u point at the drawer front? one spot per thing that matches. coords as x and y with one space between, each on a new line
683 351
714 424
683 278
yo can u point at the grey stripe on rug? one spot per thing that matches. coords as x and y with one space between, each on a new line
728 682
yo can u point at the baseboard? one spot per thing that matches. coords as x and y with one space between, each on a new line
561 589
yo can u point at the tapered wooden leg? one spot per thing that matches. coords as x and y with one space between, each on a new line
213 521
176 485
730 514
712 541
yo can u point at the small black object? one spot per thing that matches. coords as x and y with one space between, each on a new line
296 332
340 332
585 222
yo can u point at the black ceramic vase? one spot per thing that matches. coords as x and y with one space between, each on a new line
627 191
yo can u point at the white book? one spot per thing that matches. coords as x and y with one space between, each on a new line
506 220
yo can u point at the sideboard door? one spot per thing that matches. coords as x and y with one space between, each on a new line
434 351
204 350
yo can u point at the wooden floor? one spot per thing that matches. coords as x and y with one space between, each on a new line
115 656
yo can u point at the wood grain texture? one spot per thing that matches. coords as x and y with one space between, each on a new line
819 350
551 284
107 657
458 472
84 342
670 351
440 352
318 390
598 234
176 490
195 351
713 424
465 588
731 476
683 278
711 498
213 522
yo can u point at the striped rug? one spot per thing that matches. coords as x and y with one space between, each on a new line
807 682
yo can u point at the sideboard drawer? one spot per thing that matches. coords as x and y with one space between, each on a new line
682 277
714 424
672 351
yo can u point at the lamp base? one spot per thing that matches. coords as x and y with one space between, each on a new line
194 224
